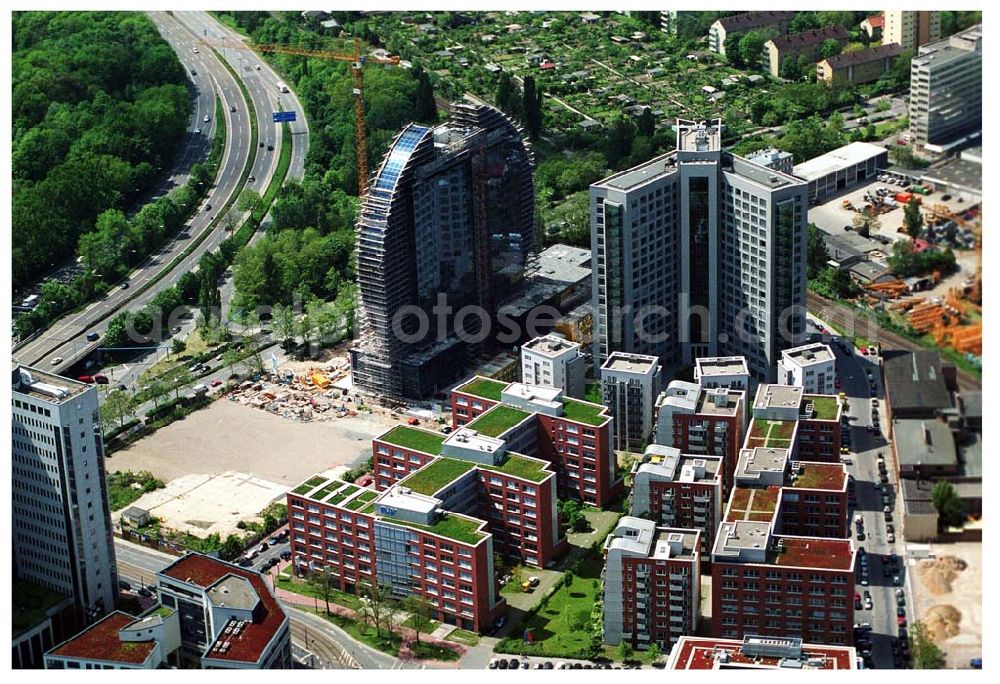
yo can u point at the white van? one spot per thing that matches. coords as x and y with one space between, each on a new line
282 88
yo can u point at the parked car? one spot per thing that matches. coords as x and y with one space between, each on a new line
145 592
56 361
92 337
122 584
101 379
216 382
89 379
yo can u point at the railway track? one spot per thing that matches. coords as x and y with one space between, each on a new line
859 322
327 651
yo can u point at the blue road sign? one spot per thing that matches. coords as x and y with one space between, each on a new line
278 117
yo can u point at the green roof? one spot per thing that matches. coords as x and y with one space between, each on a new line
452 526
407 437
436 475
483 387
360 500
583 412
498 420
30 602
310 484
824 408
163 611
521 466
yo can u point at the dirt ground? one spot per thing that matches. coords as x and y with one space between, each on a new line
958 610
228 436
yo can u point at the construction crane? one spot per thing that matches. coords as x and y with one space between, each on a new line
357 61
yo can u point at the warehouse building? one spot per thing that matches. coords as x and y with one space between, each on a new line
842 169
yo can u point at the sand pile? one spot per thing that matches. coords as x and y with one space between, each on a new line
938 574
942 622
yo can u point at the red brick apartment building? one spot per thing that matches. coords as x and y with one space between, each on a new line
401 538
758 653
703 422
768 578
574 436
679 490
786 417
652 583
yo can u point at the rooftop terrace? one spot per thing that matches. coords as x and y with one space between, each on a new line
824 408
415 439
585 412
752 503
498 420
100 641
774 434
521 466
459 528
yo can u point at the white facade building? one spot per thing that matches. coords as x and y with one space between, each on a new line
946 90
813 367
630 384
61 519
551 361
699 253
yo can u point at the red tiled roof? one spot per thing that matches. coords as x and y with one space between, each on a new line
100 642
814 552
877 21
696 653
203 572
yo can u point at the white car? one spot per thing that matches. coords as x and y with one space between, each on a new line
206 119
57 360
195 49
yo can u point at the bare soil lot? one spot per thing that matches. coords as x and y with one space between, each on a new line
227 436
949 599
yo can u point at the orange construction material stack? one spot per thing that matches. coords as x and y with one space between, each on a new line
926 317
968 339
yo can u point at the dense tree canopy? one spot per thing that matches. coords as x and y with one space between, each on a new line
98 107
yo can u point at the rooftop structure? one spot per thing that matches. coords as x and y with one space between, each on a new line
924 447
811 367
916 384
709 367
777 400
758 653
101 645
845 157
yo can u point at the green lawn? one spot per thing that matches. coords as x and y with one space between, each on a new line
424 441
562 627
451 526
825 408
436 475
520 466
483 387
387 642
582 412
303 587
360 500
498 420
426 651
29 603
462 636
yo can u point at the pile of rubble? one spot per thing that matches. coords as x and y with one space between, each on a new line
303 397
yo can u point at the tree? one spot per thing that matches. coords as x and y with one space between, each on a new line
230 358
375 604
568 578
913 219
866 223
578 522
232 547
531 107
249 201
184 378
653 652
752 48
949 506
902 155
420 613
803 21
322 581
733 52
506 96
646 125
830 48
189 285
625 651
425 109
283 320
178 346
816 252
926 654
790 68
118 405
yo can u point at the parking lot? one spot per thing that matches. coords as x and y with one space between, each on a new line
532 663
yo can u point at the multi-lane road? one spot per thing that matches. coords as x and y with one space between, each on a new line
188 33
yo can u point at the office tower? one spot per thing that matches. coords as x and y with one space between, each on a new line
61 519
946 88
629 386
551 361
449 212
813 367
910 29
699 253
652 584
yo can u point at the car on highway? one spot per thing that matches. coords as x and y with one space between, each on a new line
92 337
206 119
195 49
198 131
194 72
232 108
216 382
257 67
56 360
251 178
270 148
101 379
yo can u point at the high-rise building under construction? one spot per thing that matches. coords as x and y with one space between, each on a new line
449 212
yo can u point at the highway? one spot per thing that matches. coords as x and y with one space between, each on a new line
186 31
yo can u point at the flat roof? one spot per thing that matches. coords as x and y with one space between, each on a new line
708 398
415 439
957 173
631 363
699 137
825 407
650 170
550 345
524 467
459 528
54 389
31 603
435 475
645 538
812 552
837 160
203 571
233 592
484 388
672 465
705 653
951 48
722 365
753 462
498 420
925 441
585 412
778 396
826 476
100 641
752 504
808 354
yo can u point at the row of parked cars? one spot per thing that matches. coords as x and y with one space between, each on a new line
515 664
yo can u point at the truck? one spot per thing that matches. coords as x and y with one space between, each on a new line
282 88
199 390
30 301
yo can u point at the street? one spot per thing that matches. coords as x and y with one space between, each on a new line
862 465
